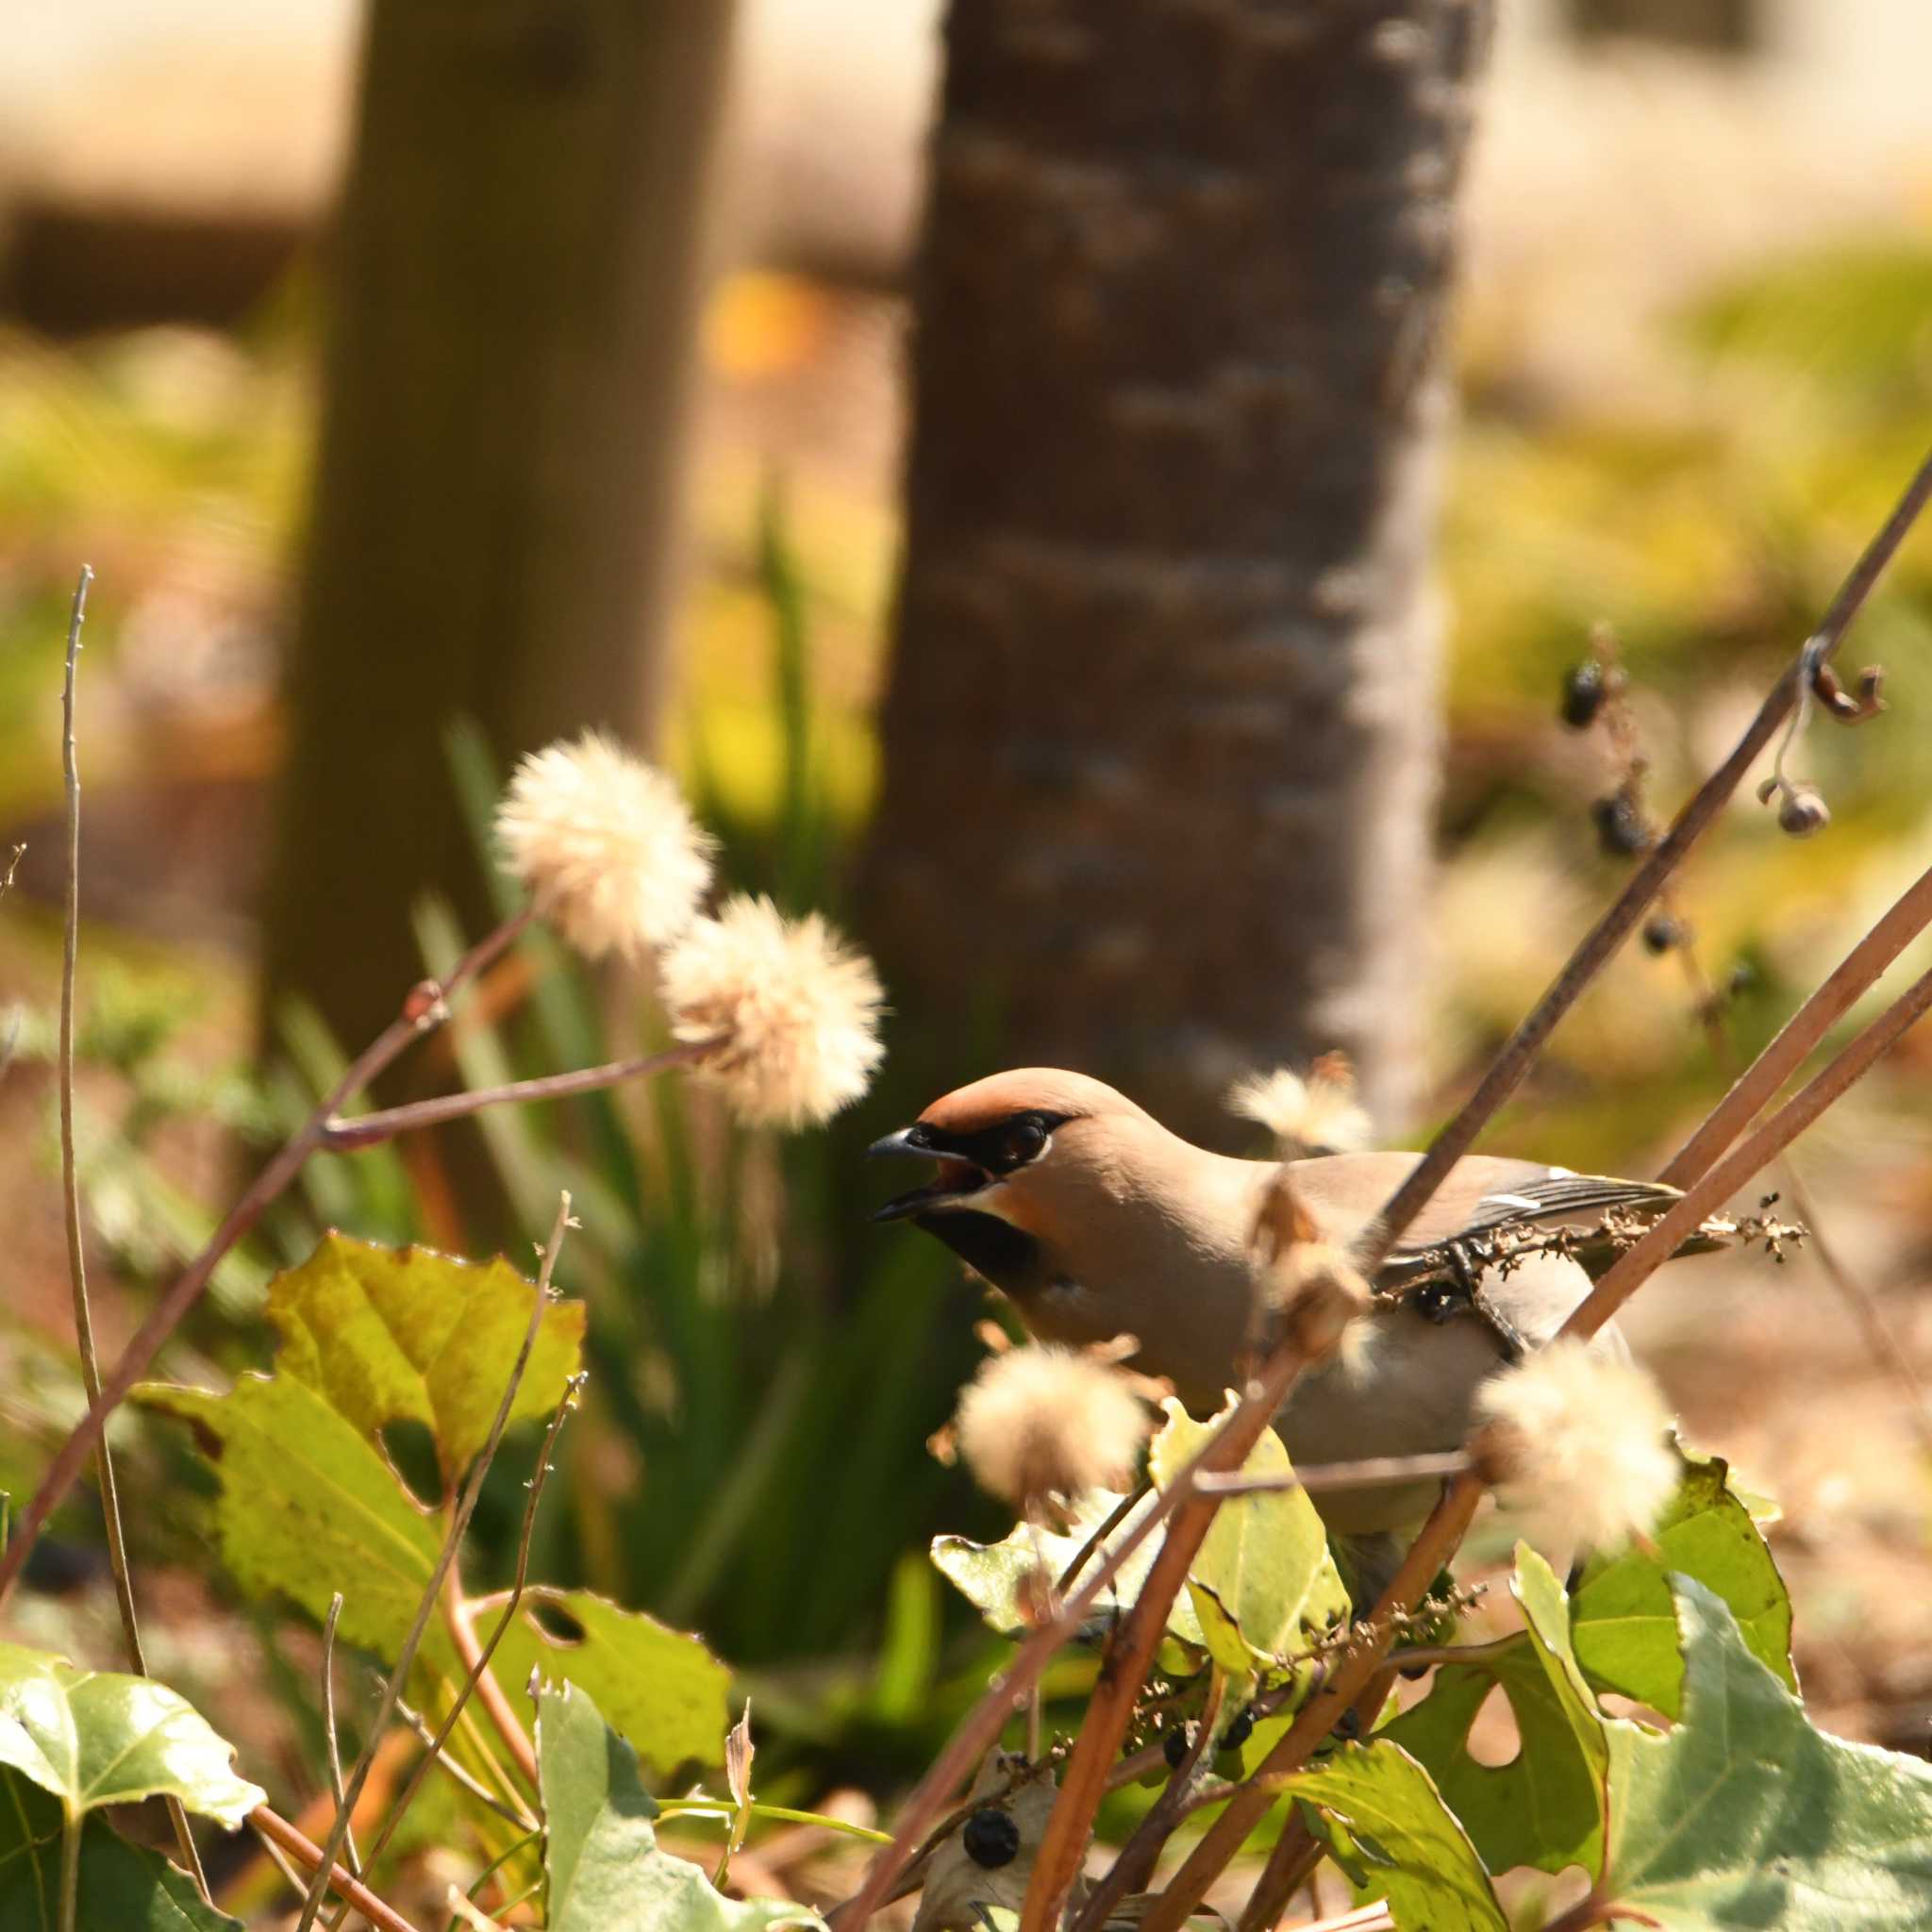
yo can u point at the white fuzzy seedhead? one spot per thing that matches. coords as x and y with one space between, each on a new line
1576 1443
1045 1422
605 845
1319 1114
798 1010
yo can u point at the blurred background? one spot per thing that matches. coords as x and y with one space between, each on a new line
423 382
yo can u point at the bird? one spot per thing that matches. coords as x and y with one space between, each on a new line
1095 1221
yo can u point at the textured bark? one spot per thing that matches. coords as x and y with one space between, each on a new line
1161 735
515 286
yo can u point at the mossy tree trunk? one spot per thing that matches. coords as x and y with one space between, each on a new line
1160 738
514 286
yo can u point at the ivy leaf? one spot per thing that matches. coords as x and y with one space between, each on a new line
95 1738
1265 1564
1743 1816
306 1501
389 1335
1266 1559
124 1886
601 1866
1546 1808
995 1577
1390 1830
1622 1617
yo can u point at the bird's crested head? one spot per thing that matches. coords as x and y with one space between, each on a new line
1010 1136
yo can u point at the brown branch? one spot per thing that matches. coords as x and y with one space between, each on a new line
1761 1081
1131 1648
284 1837
344 1134
1593 953
1629 1271
426 1007
1348 1677
1324 1477
331 1740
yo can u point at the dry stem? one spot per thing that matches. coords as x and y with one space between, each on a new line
70 1189
344 1134
426 1007
1506 1071
284 1837
460 1522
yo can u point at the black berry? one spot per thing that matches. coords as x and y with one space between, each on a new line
1173 1747
1240 1731
990 1838
1663 932
1584 689
1348 1725
1620 827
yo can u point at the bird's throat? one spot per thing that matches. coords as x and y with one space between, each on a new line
1008 1257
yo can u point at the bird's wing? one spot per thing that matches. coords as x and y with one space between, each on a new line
1481 1197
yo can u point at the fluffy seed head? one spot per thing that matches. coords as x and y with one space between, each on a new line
1045 1422
604 843
1314 1294
1319 1114
798 1008
1576 1443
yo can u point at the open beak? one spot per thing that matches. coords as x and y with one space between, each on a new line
958 1179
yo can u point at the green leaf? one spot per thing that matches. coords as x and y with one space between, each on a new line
100 1738
1742 1816
1266 1559
1625 1630
1265 1563
660 1687
1546 1808
1389 1829
408 1334
993 1577
308 1506
603 1870
123 1888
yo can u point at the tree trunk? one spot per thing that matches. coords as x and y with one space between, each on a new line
515 285
1161 730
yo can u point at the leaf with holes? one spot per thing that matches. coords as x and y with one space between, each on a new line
95 1738
1546 1808
121 1887
310 1505
603 1869
389 1335
1743 1816
1622 1617
1388 1829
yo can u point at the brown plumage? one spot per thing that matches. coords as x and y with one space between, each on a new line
1097 1222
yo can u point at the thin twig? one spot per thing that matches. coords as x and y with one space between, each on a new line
1105 1528
70 1189
1137 1858
1506 1071
1130 1649
426 1008
1319 1477
343 1134
981 1727
1880 1342
460 1522
279 1831
1842 989
476 1670
333 1744
454 1768
487 1692
1630 1270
